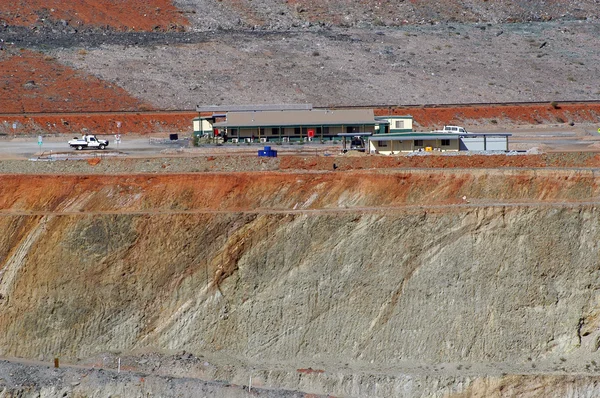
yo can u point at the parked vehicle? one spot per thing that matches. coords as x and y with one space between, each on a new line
88 141
357 144
452 129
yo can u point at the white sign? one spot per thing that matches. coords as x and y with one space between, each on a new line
119 125
15 126
117 138
40 140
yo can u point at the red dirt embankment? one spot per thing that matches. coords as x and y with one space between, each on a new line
33 82
431 117
42 96
99 123
288 192
144 15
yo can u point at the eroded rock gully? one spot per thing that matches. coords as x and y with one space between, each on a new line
370 283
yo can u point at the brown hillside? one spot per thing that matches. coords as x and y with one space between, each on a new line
120 15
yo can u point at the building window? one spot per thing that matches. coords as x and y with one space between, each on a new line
326 130
262 131
233 131
274 131
445 142
382 144
399 124
297 130
418 142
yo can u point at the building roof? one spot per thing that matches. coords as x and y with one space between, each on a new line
299 118
413 136
433 136
255 107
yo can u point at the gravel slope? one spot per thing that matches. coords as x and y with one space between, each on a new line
411 65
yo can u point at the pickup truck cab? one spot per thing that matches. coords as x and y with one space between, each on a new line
88 141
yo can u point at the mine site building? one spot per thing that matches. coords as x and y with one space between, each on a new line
277 124
395 136
387 135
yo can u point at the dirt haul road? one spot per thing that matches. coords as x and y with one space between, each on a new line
381 282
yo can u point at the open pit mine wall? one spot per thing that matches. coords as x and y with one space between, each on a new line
371 270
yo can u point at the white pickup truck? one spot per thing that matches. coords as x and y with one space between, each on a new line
451 129
88 141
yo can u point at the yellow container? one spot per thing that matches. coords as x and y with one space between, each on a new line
428 149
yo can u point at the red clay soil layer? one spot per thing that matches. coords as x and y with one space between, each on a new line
288 191
139 123
431 117
147 15
148 122
32 82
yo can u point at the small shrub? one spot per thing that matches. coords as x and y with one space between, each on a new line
494 121
554 105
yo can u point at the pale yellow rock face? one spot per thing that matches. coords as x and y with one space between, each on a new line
370 282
